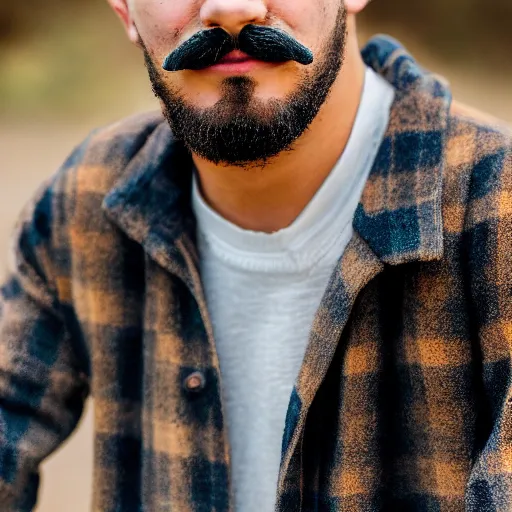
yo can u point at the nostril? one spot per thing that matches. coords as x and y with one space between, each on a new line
232 15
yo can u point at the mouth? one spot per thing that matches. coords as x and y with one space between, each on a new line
237 62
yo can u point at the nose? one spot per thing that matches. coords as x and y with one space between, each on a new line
232 15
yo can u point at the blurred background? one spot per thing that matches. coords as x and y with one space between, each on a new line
66 67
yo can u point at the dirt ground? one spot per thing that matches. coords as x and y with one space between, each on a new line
31 152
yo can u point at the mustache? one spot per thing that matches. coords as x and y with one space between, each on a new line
208 47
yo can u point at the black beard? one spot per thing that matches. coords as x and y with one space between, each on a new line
241 130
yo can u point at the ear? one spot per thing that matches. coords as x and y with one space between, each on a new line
355 6
122 9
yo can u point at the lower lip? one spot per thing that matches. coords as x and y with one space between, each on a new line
239 67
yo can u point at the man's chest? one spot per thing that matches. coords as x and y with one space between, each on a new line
367 397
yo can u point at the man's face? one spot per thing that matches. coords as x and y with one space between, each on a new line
241 112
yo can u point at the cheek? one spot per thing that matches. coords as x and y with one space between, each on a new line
162 24
307 20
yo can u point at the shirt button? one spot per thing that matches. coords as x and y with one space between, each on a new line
195 382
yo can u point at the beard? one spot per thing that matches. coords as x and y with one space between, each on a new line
240 130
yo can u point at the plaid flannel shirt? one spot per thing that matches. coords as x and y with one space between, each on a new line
404 398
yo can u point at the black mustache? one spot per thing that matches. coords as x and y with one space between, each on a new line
206 48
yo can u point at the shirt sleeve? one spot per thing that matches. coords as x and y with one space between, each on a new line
489 256
42 386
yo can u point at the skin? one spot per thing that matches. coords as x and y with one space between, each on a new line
265 198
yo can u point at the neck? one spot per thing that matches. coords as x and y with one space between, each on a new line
271 198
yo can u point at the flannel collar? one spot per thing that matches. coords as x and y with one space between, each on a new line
399 215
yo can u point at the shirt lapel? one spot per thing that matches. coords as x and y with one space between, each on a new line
151 204
356 268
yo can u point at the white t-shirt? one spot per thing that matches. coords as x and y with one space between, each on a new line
262 292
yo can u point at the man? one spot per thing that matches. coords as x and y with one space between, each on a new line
293 293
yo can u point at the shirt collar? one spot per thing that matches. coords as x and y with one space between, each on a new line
399 214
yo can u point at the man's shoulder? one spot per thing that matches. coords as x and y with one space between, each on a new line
71 199
101 158
478 167
469 114
95 166
474 134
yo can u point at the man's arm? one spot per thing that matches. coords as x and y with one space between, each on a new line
42 384
488 242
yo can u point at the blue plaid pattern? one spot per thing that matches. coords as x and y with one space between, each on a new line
404 398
